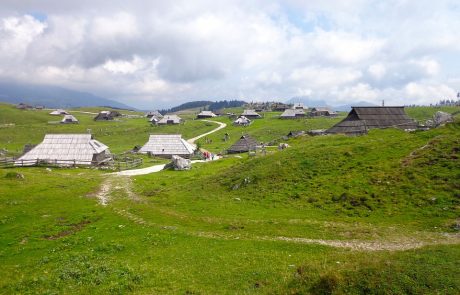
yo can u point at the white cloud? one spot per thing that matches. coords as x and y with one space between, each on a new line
377 70
146 53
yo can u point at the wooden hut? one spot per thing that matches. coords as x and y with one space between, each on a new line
242 121
23 106
299 106
167 145
251 114
154 120
245 144
292 114
66 150
322 112
107 116
59 112
69 119
154 114
206 114
361 119
169 120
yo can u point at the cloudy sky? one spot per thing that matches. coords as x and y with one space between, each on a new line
160 53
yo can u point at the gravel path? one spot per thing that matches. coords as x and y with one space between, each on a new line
221 126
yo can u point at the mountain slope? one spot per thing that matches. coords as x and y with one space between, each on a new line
52 96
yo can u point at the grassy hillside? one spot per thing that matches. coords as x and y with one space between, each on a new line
376 214
30 126
267 129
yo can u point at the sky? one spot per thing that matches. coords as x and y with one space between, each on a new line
161 53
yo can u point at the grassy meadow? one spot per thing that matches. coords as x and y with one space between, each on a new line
375 214
120 135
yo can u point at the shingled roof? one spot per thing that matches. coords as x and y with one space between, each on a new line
167 145
361 119
170 119
69 119
244 144
63 148
252 114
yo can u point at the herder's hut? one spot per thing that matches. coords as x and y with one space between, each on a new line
107 116
242 121
59 112
206 114
170 119
67 150
245 144
292 114
154 114
154 120
322 112
361 119
299 106
69 119
280 107
23 106
166 145
251 114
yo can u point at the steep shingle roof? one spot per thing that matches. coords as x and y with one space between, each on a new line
207 114
170 119
250 113
167 144
360 119
68 147
292 113
244 144
69 119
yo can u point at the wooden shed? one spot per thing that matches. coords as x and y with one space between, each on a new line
154 114
242 121
322 112
107 116
245 144
292 114
166 145
59 112
361 119
251 114
170 119
66 150
206 114
69 119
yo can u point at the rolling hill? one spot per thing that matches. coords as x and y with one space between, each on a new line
53 96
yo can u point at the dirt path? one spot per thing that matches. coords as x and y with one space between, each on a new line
221 126
115 184
121 186
400 244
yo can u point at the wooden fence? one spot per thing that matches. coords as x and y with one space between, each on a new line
126 164
117 164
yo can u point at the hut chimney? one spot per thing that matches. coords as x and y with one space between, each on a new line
383 102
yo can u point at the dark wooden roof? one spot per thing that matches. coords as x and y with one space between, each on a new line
244 144
361 119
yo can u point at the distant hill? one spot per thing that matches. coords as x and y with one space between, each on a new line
308 101
347 107
205 104
322 103
53 96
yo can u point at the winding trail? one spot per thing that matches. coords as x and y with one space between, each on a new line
221 126
158 168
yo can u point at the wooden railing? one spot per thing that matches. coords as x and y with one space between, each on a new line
126 164
12 162
119 164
